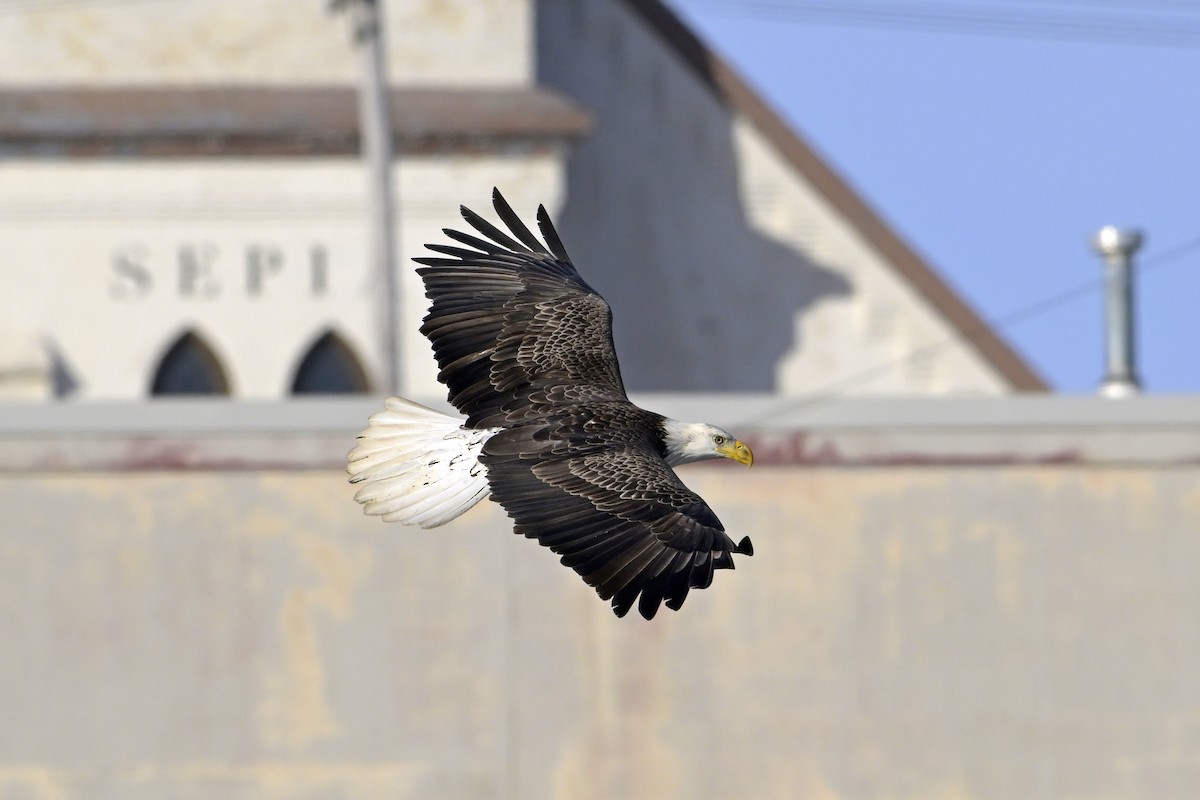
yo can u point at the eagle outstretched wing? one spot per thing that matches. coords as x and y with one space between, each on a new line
514 327
617 515
525 347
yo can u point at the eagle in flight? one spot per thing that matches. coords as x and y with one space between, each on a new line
525 348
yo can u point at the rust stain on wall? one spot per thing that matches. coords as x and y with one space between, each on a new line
619 749
295 710
33 782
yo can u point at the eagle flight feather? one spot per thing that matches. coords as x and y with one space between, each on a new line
525 348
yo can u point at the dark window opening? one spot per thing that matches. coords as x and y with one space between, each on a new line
189 367
330 367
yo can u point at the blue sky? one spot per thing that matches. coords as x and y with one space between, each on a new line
998 158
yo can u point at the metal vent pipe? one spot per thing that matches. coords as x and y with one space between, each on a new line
1117 247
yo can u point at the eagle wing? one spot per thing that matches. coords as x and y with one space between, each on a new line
618 515
525 346
514 327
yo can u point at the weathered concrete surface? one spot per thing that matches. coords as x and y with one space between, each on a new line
903 632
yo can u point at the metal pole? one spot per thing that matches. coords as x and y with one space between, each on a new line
375 131
1117 247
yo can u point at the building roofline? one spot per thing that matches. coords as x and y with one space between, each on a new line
189 121
736 93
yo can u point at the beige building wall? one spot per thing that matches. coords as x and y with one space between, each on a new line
260 42
948 600
245 223
170 166
259 256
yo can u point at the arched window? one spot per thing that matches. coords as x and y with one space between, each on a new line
330 367
189 367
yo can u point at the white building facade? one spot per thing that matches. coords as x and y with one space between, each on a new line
183 206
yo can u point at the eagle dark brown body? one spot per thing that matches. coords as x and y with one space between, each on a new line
525 348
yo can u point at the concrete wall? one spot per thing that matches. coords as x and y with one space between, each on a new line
948 600
261 42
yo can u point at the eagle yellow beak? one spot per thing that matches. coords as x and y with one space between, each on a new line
738 451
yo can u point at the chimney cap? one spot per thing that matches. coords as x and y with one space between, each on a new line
1111 240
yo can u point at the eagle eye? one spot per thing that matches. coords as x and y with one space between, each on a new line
718 440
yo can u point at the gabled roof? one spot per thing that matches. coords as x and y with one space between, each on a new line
736 94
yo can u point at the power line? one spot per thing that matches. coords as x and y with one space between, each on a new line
1119 5
834 389
1058 20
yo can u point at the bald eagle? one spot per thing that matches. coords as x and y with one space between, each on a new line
525 348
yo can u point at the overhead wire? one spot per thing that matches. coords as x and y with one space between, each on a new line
835 389
1091 5
1145 24
1117 22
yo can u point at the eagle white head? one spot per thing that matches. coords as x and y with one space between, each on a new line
696 441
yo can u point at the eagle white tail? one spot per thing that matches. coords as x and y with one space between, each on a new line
418 466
